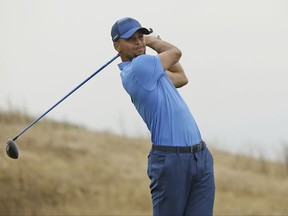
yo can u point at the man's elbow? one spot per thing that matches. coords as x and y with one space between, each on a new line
177 54
184 81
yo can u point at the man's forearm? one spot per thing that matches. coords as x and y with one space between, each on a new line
177 75
175 71
168 53
157 44
153 43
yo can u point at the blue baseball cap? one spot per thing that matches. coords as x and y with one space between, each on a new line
125 28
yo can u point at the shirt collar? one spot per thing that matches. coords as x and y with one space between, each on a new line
123 64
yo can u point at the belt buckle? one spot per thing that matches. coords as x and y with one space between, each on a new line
192 149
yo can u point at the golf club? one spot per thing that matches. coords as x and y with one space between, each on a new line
11 147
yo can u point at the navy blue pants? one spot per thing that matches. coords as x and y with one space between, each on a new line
181 183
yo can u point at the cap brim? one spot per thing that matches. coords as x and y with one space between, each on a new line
132 31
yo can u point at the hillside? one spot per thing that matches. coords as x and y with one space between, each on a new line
68 170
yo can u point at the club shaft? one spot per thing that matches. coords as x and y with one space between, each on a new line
77 87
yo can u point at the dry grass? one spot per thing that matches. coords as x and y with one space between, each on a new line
67 170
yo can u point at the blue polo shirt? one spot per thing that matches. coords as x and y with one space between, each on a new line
160 105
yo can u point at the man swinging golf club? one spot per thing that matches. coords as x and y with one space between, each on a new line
180 165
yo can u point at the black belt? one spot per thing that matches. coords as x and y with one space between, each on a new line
180 149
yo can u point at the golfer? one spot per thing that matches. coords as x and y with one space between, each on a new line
180 165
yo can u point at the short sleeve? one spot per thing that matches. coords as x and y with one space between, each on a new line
147 70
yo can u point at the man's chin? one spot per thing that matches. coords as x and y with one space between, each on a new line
138 54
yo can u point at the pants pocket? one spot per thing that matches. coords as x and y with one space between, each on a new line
156 170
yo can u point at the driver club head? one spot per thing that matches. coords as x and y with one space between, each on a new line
12 149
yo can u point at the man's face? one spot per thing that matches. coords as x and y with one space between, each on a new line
131 47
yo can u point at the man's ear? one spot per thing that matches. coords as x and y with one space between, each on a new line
116 46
